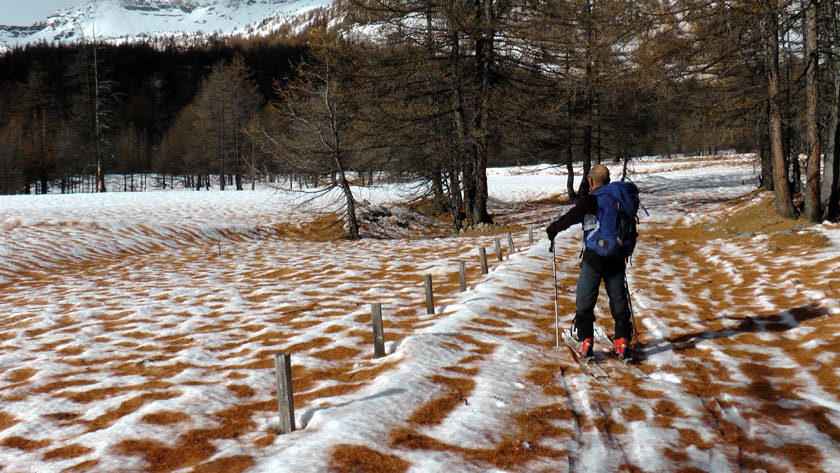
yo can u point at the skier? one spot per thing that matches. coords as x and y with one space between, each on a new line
595 267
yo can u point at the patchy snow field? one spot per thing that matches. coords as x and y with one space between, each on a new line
137 333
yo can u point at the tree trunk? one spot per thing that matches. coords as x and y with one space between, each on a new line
478 193
100 179
831 173
784 200
462 136
766 157
587 128
45 182
455 200
440 200
813 212
570 170
570 174
350 210
587 157
469 185
833 208
764 154
597 116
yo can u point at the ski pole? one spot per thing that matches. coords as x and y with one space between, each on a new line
556 321
630 306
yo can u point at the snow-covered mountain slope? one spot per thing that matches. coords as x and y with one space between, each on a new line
116 20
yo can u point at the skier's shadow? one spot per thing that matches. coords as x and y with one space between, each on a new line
780 322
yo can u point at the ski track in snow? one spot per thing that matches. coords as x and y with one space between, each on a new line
137 333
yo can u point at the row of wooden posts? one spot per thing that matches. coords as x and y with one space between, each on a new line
283 364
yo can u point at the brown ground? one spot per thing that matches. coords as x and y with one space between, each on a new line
713 298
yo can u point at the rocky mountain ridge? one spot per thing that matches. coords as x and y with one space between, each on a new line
126 20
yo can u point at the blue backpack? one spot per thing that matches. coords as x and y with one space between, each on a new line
612 232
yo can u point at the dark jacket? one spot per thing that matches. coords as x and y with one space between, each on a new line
587 205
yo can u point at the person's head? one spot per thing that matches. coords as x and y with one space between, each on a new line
598 176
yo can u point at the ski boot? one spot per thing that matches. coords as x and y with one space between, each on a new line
586 348
621 349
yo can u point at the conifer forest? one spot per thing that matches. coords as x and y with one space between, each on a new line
436 91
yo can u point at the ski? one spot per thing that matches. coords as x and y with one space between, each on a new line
590 366
605 340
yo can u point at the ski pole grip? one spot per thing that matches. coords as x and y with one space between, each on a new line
551 247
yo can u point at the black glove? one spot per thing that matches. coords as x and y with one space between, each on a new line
551 247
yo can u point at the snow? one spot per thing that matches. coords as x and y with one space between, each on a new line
129 20
137 333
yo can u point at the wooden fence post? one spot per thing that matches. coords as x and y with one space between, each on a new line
482 256
462 271
283 370
499 250
510 243
430 298
378 332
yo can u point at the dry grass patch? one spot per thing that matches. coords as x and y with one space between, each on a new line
634 413
492 230
468 371
20 374
304 380
84 397
531 339
346 458
265 441
165 418
544 376
65 417
328 227
804 457
234 464
67 452
491 322
327 392
637 390
195 446
82 467
337 353
161 458
25 444
754 213
152 370
677 456
518 449
665 412
58 385
485 347
318 342
434 411
242 390
691 437
51 346
127 407
338 329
